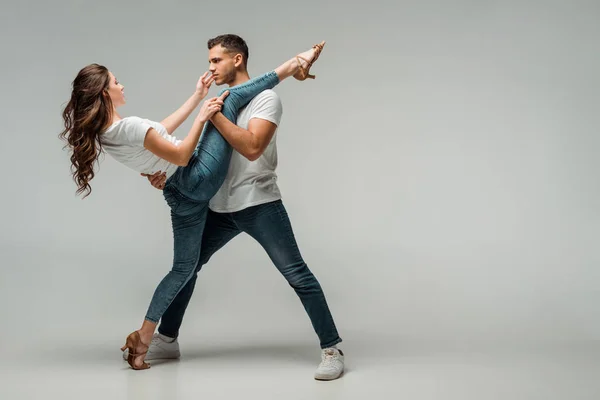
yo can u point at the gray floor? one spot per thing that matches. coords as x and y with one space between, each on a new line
62 329
225 369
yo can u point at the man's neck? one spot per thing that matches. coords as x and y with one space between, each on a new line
240 78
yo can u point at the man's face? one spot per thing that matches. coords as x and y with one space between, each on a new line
221 64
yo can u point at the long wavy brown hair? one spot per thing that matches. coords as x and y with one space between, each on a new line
87 114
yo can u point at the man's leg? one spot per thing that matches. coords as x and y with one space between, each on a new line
270 226
219 230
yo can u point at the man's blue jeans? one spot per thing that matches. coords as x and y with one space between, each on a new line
270 226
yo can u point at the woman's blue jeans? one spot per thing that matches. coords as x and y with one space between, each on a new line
190 188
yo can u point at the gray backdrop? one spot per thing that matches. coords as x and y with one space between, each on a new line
440 173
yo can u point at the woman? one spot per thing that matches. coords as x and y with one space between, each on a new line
195 170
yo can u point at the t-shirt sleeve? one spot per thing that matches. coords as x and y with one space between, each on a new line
268 106
135 130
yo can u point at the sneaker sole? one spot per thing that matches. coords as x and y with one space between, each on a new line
324 379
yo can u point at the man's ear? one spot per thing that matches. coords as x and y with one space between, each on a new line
238 60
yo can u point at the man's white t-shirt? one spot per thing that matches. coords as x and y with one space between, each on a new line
250 183
124 141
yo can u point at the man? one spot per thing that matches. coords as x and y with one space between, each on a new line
249 201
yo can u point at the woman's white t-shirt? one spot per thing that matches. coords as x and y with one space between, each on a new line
124 141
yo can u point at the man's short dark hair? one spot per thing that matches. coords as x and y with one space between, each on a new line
231 43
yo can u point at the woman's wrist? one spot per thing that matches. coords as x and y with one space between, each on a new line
201 119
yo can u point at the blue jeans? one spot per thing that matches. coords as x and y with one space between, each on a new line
270 226
190 188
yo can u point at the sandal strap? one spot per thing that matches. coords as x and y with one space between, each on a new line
303 68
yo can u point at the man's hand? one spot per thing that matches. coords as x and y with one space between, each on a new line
157 179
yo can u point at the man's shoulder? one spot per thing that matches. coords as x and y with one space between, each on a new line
266 101
266 95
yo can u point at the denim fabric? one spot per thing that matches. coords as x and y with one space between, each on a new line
188 191
270 226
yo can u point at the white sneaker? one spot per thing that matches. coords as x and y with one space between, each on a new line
332 365
159 349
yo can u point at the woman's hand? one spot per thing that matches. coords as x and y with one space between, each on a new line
211 106
204 84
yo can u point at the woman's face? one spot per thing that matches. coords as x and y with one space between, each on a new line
116 91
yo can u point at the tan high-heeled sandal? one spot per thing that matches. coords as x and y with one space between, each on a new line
303 73
132 342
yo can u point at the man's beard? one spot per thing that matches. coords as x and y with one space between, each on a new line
230 77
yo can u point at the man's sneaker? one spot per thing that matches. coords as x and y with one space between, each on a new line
332 365
159 349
